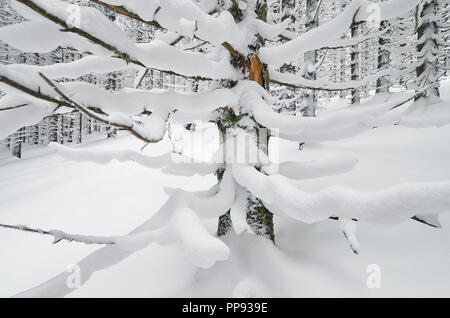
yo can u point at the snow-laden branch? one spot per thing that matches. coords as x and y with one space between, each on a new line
182 107
344 43
25 86
59 236
73 70
96 28
187 19
169 163
312 169
333 125
392 205
38 105
151 131
173 224
357 11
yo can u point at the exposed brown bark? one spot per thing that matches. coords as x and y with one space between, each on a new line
256 70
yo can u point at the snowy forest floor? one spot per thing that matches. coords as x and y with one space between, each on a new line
44 190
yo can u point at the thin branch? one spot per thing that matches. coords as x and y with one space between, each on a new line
196 47
316 15
415 218
175 42
59 236
14 107
418 93
31 92
142 78
95 116
295 86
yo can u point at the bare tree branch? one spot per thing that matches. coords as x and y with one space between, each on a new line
415 218
14 107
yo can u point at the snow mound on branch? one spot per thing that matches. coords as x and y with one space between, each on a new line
389 206
203 249
186 231
153 127
313 169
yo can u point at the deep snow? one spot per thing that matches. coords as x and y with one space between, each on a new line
44 190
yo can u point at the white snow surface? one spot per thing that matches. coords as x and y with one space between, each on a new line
308 260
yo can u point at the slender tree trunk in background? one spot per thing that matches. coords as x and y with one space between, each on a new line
61 130
383 82
427 48
356 99
111 132
259 218
53 129
17 143
36 134
80 128
89 125
343 93
310 60
70 129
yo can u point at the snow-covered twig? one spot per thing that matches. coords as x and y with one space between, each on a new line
59 236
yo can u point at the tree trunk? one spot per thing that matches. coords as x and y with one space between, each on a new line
17 143
259 218
53 129
356 99
310 60
383 82
61 131
36 135
80 128
428 49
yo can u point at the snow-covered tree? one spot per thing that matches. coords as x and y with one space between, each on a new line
230 47
429 37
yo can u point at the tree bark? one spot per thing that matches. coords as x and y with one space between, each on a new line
428 48
356 99
259 218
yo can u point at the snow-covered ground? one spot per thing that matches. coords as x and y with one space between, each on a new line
44 190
